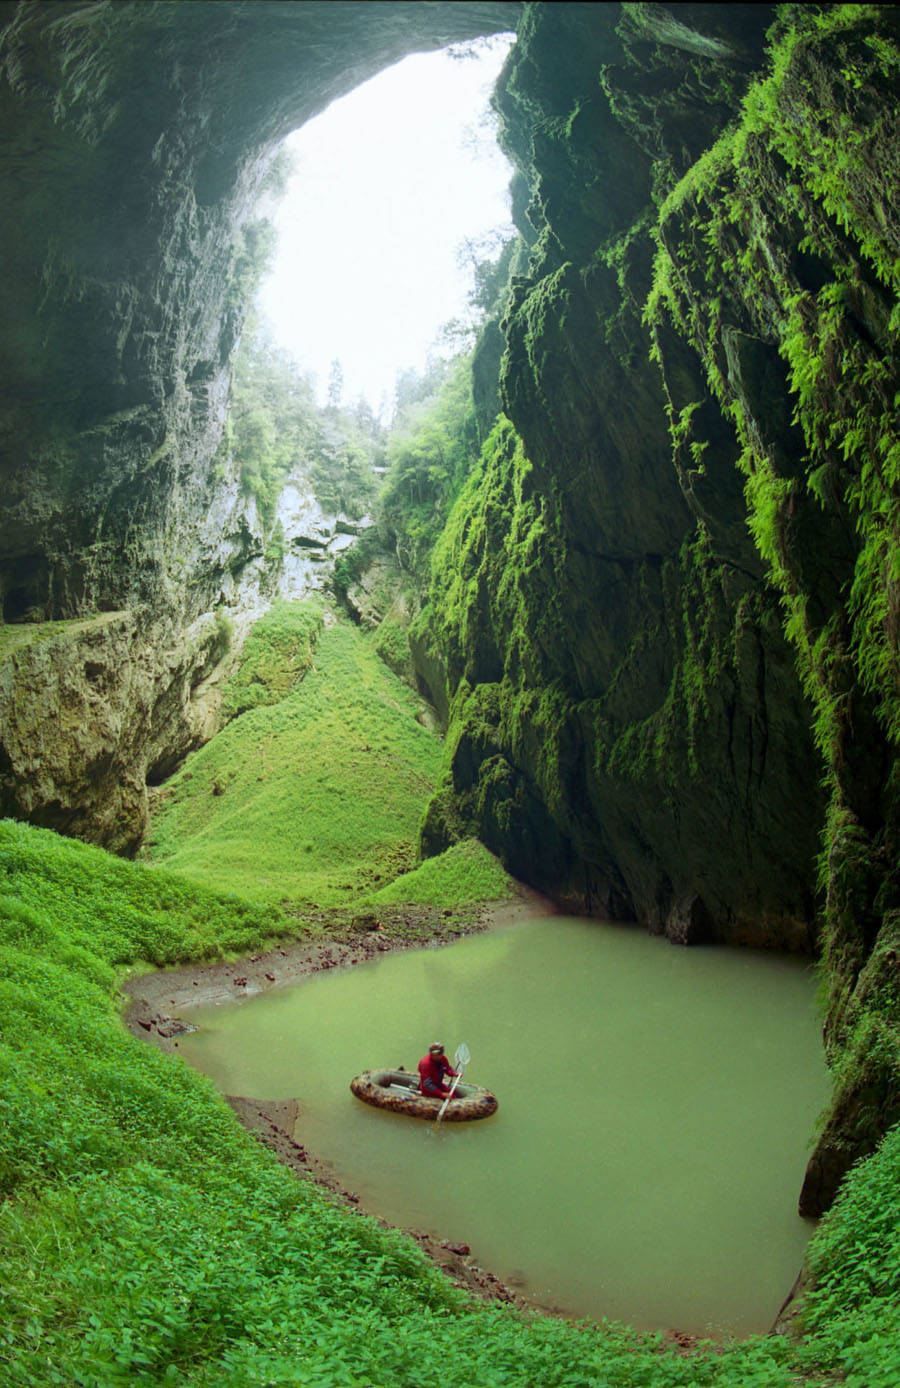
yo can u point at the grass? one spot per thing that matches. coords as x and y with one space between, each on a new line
276 655
314 799
82 905
464 873
147 1240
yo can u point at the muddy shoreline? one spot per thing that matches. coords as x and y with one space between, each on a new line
156 1001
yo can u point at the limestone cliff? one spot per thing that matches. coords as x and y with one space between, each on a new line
663 620
136 137
671 777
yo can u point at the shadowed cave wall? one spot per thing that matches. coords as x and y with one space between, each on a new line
662 631
136 138
664 626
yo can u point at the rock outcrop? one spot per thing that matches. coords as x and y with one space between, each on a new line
665 637
136 138
671 777
91 710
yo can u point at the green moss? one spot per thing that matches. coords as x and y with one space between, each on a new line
815 149
502 543
392 644
276 655
17 635
463 874
825 356
308 798
702 630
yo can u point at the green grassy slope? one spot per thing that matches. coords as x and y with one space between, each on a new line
464 873
146 1239
316 798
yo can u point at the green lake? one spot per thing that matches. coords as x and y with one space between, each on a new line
656 1106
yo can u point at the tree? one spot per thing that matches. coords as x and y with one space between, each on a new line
335 385
430 451
276 430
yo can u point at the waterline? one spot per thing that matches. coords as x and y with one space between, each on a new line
655 1108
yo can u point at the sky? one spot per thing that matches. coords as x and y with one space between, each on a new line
387 184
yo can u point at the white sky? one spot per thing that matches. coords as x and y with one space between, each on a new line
383 193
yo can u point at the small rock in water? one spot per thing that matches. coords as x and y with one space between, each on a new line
173 1026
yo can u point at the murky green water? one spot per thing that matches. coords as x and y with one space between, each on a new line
655 1109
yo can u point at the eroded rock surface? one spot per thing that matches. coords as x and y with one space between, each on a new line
666 644
136 138
628 729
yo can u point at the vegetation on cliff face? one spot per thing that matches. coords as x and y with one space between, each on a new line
626 629
662 613
777 265
147 131
275 430
671 688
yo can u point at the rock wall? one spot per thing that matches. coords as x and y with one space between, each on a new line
663 623
136 138
90 710
674 756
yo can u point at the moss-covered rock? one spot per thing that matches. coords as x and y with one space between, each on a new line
615 603
778 265
90 712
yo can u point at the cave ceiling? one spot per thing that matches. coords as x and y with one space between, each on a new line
136 137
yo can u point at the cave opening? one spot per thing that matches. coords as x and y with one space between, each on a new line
385 206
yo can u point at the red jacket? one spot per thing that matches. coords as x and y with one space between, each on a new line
432 1069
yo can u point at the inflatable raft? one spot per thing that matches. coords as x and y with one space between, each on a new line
398 1091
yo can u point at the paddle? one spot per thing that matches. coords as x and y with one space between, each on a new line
460 1060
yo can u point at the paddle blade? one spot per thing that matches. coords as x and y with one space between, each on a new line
462 1056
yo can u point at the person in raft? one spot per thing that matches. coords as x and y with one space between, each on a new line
433 1067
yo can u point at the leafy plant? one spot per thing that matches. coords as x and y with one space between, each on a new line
431 449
